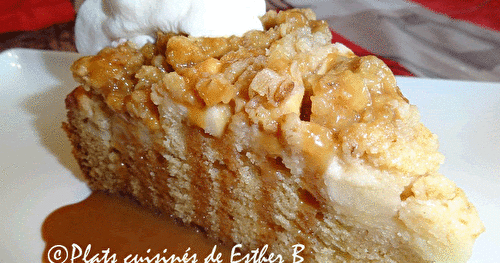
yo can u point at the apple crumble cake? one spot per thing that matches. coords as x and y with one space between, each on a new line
277 138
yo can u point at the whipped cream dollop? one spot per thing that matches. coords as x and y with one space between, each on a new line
102 23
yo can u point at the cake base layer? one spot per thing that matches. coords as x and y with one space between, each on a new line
214 186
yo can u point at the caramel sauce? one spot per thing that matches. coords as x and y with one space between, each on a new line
113 228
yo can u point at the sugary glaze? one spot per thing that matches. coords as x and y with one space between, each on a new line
277 137
103 222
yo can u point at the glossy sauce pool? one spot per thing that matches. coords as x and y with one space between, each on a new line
111 228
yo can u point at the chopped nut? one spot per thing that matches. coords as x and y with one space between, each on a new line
179 90
215 90
291 69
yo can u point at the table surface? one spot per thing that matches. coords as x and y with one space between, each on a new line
56 37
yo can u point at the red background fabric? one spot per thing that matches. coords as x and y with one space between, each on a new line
29 15
484 13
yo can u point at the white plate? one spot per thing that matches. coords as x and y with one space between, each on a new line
39 174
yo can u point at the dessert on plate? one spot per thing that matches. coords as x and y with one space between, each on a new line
277 137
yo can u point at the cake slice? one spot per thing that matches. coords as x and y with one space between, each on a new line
276 138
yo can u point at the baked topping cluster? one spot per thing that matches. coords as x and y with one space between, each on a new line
289 79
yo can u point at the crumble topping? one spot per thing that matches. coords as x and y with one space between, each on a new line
291 68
